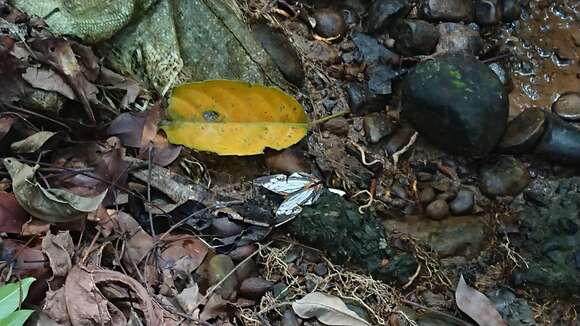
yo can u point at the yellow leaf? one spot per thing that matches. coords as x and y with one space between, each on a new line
234 118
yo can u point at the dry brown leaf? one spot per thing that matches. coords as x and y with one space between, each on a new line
35 227
138 242
6 123
176 247
216 307
12 215
11 83
26 261
59 249
476 305
48 80
189 299
328 309
33 142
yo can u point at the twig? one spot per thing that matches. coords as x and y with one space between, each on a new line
330 117
151 226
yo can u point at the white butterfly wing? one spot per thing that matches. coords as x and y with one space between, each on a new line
283 185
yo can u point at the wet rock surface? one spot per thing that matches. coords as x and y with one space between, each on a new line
463 203
446 10
523 132
560 143
415 37
458 38
377 126
382 13
504 177
567 106
437 210
549 239
457 103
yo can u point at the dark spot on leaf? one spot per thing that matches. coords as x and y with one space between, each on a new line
211 116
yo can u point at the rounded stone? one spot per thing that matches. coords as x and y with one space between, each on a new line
437 210
427 195
382 13
463 203
523 132
415 37
488 12
505 177
329 23
511 10
567 106
446 10
561 141
457 103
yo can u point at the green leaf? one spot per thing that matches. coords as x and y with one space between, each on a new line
17 318
11 295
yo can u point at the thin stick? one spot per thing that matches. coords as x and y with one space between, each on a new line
330 117
149 190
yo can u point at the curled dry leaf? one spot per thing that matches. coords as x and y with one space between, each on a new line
94 296
26 261
33 142
12 215
476 305
328 309
51 205
48 80
35 227
138 242
234 118
176 247
59 249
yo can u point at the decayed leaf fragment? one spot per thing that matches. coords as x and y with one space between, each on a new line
328 309
234 118
51 205
476 305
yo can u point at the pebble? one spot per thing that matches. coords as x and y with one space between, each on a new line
415 37
320 269
488 12
380 77
458 38
446 10
567 106
437 210
282 53
438 100
523 132
399 191
511 10
463 202
240 253
382 13
399 139
427 195
377 126
561 141
224 227
337 126
254 287
504 177
371 51
330 23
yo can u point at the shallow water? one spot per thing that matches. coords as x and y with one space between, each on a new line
546 62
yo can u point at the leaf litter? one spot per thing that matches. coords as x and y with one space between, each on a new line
150 245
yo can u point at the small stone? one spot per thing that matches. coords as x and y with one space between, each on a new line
329 23
399 139
502 74
567 106
458 38
371 51
511 10
427 195
321 269
399 191
446 10
380 77
361 100
523 132
488 12
561 141
282 53
424 176
254 287
463 203
437 210
504 177
337 126
415 37
377 126
224 227
240 253
383 13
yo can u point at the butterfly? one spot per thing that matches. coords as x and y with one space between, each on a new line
301 189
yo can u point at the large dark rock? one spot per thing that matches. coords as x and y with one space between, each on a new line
383 13
561 141
457 104
335 225
523 132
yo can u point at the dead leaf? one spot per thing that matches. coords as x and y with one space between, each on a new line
33 142
11 83
12 215
58 53
48 80
234 118
138 242
189 299
476 305
216 307
328 309
51 205
26 261
59 249
35 227
128 127
94 296
6 123
176 247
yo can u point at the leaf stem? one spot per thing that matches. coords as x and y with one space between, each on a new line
330 117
